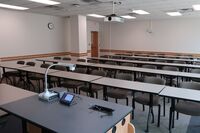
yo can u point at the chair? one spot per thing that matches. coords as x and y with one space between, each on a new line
119 93
57 58
180 62
144 98
111 72
39 77
94 88
169 79
81 60
11 75
67 58
195 71
147 74
71 84
188 107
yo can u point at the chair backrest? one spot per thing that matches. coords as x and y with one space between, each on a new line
21 62
81 60
61 68
195 71
149 66
110 63
44 65
116 57
170 68
80 70
98 73
190 85
57 58
127 64
104 56
66 58
92 61
30 63
179 62
160 61
154 80
124 76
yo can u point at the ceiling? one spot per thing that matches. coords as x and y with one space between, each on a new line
157 8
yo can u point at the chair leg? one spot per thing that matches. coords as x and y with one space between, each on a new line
127 101
158 125
177 115
133 105
116 100
143 107
152 115
96 95
163 106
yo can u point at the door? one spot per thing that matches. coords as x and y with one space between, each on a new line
94 44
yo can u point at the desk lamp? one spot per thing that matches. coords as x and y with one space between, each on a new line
49 95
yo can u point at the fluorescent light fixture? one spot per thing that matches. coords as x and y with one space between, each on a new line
128 17
196 7
13 7
141 12
174 14
47 2
96 15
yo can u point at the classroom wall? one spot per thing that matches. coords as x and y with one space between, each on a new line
27 34
172 35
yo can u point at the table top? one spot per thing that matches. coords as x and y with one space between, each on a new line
147 62
10 93
11 65
130 85
36 69
68 119
75 76
181 93
158 58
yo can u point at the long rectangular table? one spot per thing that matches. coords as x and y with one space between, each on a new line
179 93
147 62
73 119
131 86
156 58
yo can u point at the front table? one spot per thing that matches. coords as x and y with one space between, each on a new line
74 119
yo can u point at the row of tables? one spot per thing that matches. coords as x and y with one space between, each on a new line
191 61
161 90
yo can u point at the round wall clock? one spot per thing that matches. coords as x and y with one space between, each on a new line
50 26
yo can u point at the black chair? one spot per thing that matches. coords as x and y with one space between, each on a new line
57 58
12 75
144 98
72 84
195 71
67 58
118 93
81 60
94 88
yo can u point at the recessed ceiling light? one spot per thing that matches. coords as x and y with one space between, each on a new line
13 7
128 17
47 2
141 12
174 14
96 15
196 7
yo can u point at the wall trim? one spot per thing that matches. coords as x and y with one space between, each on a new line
24 57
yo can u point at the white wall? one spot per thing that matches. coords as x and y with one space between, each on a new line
174 35
26 34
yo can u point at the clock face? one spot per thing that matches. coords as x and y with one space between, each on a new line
50 26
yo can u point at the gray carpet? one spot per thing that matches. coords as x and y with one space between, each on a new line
194 125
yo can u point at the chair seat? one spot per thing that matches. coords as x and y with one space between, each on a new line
118 93
95 88
188 108
71 84
144 99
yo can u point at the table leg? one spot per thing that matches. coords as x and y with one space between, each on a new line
24 126
90 90
172 109
149 113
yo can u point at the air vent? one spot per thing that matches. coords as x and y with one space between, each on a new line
186 10
54 7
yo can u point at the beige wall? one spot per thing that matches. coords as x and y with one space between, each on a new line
172 35
27 33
